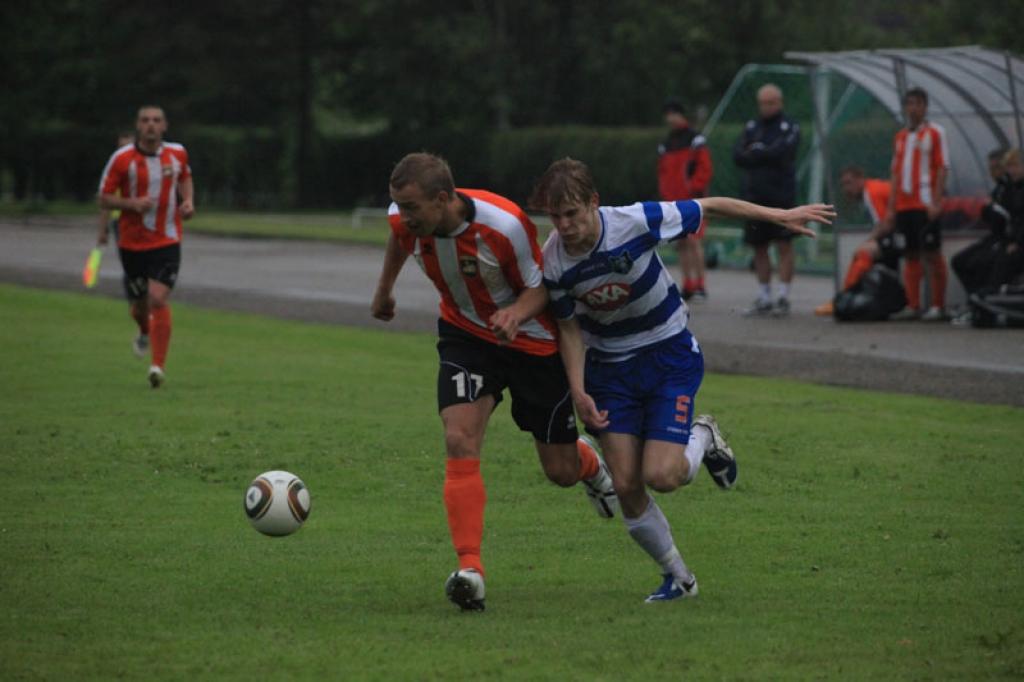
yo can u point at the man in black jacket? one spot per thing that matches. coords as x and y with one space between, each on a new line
766 151
998 258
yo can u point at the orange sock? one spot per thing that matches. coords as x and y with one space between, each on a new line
937 279
912 282
464 498
862 262
160 326
589 465
141 318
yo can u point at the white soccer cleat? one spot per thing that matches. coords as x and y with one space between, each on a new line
598 487
719 459
465 589
156 376
140 346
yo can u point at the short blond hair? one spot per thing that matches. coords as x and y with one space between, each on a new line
429 171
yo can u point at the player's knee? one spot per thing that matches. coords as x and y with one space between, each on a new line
663 481
626 488
562 475
460 443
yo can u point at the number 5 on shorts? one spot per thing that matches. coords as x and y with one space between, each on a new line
460 385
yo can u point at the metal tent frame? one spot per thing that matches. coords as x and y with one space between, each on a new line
975 93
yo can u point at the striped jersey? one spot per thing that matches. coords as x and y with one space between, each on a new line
918 155
876 198
620 292
482 266
133 173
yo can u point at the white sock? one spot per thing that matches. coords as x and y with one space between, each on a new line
700 439
765 292
784 290
651 531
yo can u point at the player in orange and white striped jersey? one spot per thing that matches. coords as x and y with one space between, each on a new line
480 251
920 165
144 180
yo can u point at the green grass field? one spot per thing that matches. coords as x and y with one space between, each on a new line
871 537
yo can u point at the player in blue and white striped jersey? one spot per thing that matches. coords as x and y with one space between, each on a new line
633 366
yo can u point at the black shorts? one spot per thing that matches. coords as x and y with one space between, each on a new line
160 265
889 250
759 233
472 368
918 232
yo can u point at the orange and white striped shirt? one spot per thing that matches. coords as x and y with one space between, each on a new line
918 156
876 198
482 266
137 174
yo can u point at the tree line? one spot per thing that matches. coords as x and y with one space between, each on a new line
304 70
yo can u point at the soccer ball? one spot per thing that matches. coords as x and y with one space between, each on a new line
277 503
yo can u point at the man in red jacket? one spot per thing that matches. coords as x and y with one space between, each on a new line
684 172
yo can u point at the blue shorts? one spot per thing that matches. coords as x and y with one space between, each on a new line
650 395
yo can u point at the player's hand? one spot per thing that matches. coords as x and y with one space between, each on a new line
796 219
934 211
142 204
505 325
383 306
588 412
187 209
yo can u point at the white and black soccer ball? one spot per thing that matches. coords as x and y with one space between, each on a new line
277 503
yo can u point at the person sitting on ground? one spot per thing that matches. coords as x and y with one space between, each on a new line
879 247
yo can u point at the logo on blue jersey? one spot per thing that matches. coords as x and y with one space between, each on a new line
608 296
620 264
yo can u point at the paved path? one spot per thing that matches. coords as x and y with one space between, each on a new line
333 283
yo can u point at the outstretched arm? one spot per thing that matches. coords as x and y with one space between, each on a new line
793 219
383 306
570 344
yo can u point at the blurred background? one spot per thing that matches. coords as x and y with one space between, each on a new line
306 104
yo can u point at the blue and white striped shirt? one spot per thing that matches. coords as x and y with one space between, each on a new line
620 292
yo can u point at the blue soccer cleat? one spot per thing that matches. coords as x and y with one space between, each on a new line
719 460
673 589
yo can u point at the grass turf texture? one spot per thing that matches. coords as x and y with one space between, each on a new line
871 536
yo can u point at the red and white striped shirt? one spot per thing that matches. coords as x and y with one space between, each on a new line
482 266
137 174
918 155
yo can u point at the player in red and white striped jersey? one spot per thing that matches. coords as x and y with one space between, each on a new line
920 164
480 251
144 180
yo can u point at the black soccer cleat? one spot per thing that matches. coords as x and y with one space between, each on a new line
465 589
718 459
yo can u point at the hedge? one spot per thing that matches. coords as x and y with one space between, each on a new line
251 168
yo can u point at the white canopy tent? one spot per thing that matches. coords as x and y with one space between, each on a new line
975 93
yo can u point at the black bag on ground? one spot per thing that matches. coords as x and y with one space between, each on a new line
877 295
1001 308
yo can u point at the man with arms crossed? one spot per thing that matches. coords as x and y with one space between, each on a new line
766 151
481 253
144 180
634 368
